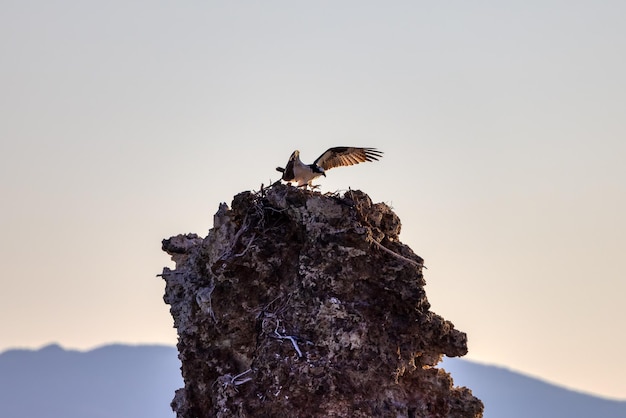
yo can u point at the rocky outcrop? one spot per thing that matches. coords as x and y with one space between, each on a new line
299 304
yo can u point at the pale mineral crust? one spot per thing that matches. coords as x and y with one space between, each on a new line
299 304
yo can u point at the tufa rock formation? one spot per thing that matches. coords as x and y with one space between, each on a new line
299 304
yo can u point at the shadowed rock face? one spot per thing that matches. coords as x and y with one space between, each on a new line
299 304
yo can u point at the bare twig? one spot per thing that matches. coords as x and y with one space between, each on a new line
395 254
275 210
203 299
247 246
237 381
244 227
167 273
231 381
288 337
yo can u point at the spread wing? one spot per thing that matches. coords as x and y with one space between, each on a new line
342 156
288 174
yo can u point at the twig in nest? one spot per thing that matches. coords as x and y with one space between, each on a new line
237 381
167 273
244 228
203 299
395 254
288 337
233 381
278 310
274 209
247 246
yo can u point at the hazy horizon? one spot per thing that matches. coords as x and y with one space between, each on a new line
105 380
440 365
502 125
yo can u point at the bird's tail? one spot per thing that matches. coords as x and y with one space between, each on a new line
282 170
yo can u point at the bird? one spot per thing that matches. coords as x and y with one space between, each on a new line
304 174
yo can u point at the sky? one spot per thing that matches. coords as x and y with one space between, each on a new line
502 124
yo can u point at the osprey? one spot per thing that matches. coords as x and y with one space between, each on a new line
304 174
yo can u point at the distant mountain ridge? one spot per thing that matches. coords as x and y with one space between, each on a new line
113 381
123 381
507 394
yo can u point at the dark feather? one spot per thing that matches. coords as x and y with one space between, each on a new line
288 174
343 156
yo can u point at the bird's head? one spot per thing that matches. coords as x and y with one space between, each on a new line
318 169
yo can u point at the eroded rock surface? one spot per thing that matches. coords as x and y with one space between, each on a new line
299 304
